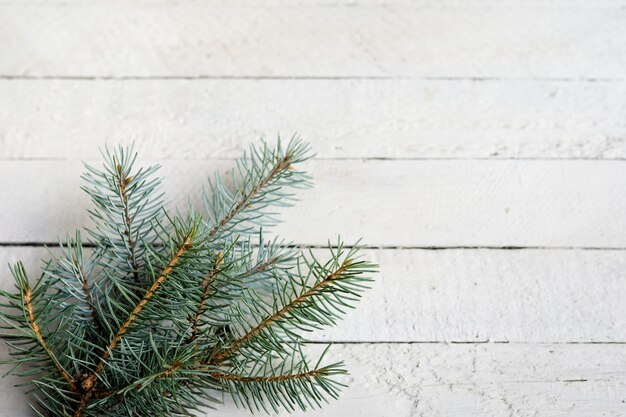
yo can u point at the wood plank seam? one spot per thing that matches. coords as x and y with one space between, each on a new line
9 77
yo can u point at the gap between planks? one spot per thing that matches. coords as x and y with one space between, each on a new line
356 158
383 247
302 78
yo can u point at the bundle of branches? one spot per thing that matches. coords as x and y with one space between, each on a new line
167 313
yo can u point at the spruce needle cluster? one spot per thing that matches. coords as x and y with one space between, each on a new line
159 313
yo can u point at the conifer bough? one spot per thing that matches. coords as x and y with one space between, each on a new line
169 312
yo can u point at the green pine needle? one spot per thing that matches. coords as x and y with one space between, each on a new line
169 312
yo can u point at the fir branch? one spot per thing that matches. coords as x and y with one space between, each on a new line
166 372
302 298
164 314
246 199
80 276
263 385
122 182
70 271
127 202
271 257
30 311
262 172
175 366
273 378
38 319
206 287
260 267
89 383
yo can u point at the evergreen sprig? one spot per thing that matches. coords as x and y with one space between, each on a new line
168 312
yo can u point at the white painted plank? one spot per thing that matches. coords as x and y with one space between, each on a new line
311 40
344 3
388 203
470 296
459 380
199 119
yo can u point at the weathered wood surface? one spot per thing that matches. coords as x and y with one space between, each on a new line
440 90
477 380
388 203
405 119
469 296
302 39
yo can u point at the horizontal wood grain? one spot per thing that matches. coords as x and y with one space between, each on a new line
487 380
529 4
456 124
199 119
387 203
122 39
469 296
483 380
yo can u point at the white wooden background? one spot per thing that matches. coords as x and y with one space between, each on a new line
478 147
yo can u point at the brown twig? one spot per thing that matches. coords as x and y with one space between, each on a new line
80 275
206 287
274 378
259 268
89 384
28 303
105 393
283 164
225 353
123 181
169 370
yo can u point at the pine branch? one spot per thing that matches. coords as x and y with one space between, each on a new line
313 291
171 309
200 369
246 199
80 276
127 202
263 173
89 383
122 182
185 246
30 311
70 271
263 384
274 378
206 287
167 372
241 271
335 286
